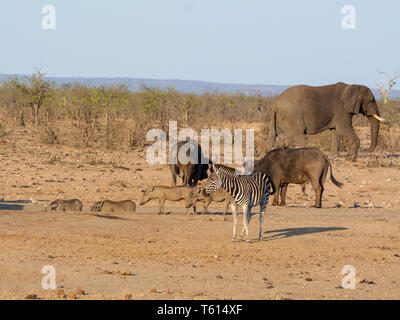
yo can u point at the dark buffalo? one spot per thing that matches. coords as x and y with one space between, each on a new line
192 172
298 166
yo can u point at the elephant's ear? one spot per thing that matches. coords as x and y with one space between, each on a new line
351 98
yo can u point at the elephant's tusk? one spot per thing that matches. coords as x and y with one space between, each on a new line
378 118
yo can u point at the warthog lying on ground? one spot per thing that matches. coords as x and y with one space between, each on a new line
199 195
66 205
299 166
164 193
113 206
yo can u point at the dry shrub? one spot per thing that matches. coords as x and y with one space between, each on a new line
88 128
111 134
3 132
48 135
20 119
262 144
383 159
137 131
389 137
54 159
321 140
95 161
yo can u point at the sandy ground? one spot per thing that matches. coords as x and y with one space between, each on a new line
147 256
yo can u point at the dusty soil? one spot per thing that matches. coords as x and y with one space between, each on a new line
147 256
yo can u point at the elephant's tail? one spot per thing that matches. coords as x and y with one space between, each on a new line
335 182
275 133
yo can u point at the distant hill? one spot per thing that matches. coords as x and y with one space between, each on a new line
185 86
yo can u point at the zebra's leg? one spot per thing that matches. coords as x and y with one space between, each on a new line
261 218
234 214
246 221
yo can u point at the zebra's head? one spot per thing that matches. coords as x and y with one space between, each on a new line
214 181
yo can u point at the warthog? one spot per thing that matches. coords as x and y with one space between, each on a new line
299 166
112 206
66 205
199 195
164 193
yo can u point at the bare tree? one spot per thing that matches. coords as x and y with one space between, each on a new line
385 91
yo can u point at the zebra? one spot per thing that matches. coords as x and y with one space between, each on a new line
246 191
226 170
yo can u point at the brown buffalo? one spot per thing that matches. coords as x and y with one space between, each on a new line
299 166
192 172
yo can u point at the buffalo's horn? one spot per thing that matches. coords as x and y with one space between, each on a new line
378 118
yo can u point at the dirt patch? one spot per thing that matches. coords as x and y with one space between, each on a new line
147 256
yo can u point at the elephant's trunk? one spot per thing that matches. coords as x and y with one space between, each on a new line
375 124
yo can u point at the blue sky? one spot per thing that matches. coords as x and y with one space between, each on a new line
233 41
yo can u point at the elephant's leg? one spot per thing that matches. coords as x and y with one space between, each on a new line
335 143
356 145
283 194
350 133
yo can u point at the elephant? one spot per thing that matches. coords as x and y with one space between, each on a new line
303 109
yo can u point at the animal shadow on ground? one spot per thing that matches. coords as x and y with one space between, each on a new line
290 232
218 213
19 201
109 217
11 206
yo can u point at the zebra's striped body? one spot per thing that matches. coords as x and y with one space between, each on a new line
226 170
247 192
